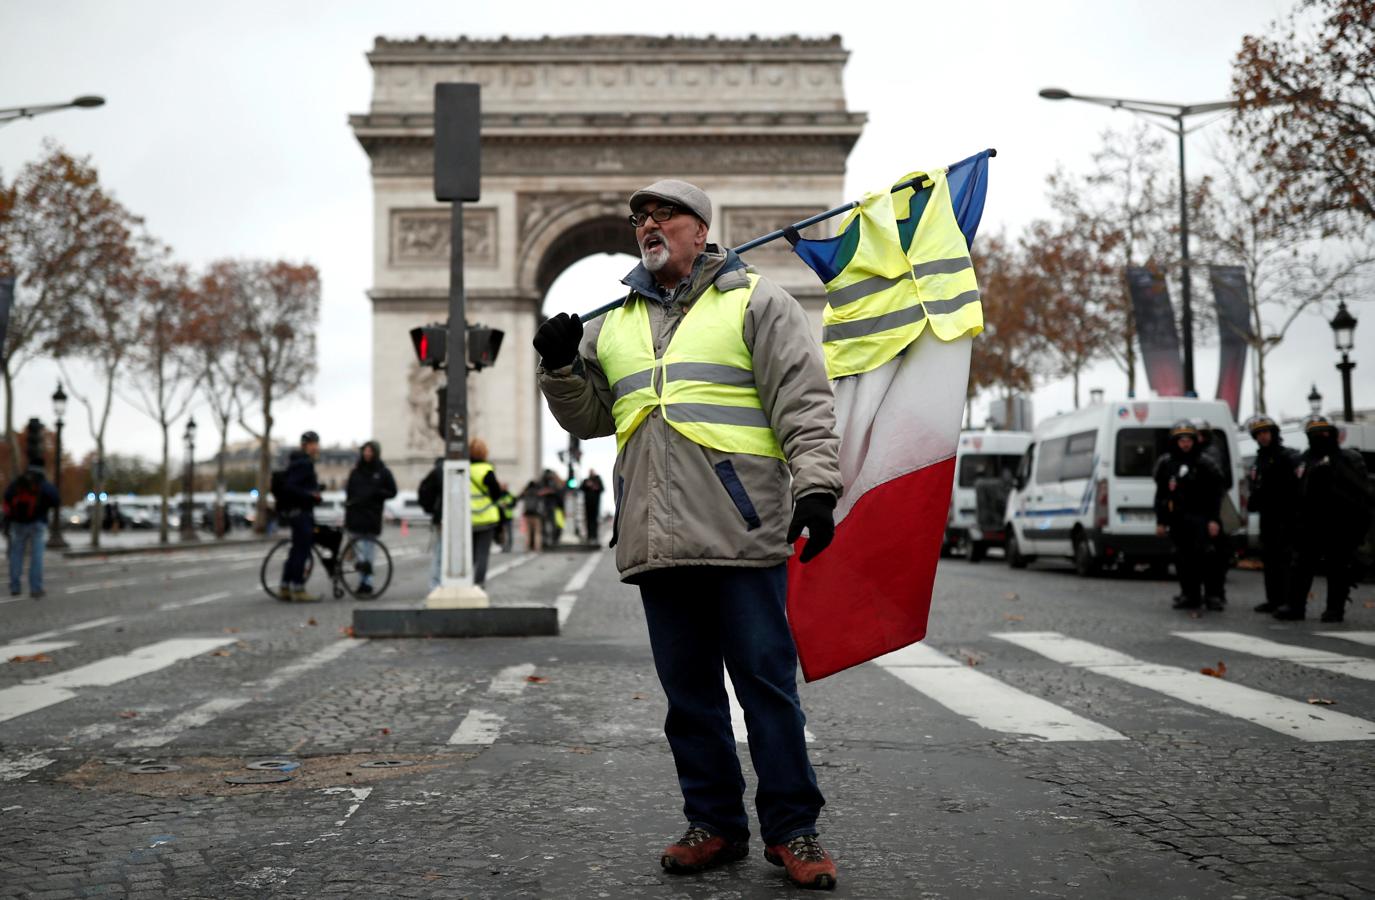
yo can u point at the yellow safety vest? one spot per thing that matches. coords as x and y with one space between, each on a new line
485 511
884 297
704 383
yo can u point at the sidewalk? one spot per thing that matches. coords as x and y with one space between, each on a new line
129 543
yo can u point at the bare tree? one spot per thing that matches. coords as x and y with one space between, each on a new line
278 306
164 370
61 237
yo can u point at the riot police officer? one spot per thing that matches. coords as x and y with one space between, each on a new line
1188 496
1218 558
1334 513
1274 493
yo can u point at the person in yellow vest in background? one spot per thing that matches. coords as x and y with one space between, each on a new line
488 515
714 385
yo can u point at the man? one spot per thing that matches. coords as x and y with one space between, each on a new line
1218 558
430 493
708 432
370 486
532 516
592 489
1334 514
296 503
486 512
1187 499
29 500
1274 494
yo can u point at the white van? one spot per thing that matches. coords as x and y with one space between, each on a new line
980 454
1085 491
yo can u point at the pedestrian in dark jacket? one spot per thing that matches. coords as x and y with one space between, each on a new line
1188 498
296 504
430 495
1334 514
1218 559
532 516
29 501
370 486
1274 494
592 490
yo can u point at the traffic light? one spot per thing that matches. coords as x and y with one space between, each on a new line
483 345
431 345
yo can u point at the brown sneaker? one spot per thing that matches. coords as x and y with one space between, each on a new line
698 850
807 864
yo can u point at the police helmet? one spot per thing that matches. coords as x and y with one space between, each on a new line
1260 422
1318 422
310 437
1183 428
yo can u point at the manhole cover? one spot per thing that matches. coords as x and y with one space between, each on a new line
159 769
385 764
274 765
259 778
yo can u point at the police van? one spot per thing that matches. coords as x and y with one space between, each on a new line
1085 490
981 455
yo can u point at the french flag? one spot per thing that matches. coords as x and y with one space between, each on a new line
899 424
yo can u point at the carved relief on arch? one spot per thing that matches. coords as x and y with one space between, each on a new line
547 221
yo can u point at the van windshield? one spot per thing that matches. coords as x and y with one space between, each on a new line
1139 448
974 466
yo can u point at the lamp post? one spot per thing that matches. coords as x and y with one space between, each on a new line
1344 334
1315 401
188 524
1177 113
56 540
15 113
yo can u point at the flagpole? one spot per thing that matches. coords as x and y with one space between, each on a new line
796 226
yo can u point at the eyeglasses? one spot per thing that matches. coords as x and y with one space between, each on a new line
660 214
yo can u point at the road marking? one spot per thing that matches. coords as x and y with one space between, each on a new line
564 604
737 717
1354 666
192 573
43 692
1360 637
102 586
10 600
9 651
79 626
506 567
569 595
1280 714
511 681
197 601
175 726
988 702
325 654
14 769
478 727
359 795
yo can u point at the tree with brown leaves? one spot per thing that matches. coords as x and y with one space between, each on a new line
217 346
1008 358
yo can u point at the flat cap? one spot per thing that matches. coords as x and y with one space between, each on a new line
680 193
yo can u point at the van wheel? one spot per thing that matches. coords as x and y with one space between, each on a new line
977 551
1084 562
1015 559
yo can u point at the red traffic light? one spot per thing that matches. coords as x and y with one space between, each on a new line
431 345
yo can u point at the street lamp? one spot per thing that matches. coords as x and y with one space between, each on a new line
56 540
1315 401
188 524
1344 335
1177 113
14 113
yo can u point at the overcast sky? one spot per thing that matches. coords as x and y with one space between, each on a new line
226 128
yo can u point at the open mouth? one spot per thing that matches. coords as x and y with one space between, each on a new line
652 243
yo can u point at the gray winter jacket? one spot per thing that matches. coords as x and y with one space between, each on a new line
679 503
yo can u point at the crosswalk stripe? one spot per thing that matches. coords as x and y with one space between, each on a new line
1359 637
737 718
1354 666
506 567
14 769
102 586
47 691
569 595
1289 717
175 726
9 651
195 601
511 681
68 629
988 702
479 727
325 654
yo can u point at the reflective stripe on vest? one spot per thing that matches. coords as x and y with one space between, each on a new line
704 383
885 296
485 511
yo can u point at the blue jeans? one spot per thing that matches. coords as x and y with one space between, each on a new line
436 554
702 619
302 539
30 537
366 547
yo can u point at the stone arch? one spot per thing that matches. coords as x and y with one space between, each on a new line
580 228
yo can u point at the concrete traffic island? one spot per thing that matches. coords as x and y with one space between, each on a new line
457 611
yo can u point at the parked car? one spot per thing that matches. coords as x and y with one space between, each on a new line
1085 489
404 506
990 457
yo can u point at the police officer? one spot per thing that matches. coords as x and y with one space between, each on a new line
1218 559
1188 496
1274 493
1334 513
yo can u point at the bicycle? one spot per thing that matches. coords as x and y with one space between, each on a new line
344 568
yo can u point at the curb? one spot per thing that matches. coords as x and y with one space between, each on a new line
154 549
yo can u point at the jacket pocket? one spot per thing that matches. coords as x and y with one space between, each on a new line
738 495
616 520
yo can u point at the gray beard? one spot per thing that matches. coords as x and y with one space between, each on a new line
654 260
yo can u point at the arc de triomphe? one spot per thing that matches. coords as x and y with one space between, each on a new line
570 127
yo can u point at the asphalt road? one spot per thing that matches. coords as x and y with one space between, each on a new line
1053 737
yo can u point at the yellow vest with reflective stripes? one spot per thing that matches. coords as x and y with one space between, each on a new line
485 511
703 385
884 297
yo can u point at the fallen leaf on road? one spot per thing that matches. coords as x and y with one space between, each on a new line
972 659
1370 604
386 731
128 714
582 750
32 657
1011 596
1012 617
1249 563
1219 672
346 631
637 696
1195 615
1321 701
311 621
231 631
536 679
220 653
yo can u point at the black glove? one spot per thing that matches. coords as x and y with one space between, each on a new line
815 512
557 340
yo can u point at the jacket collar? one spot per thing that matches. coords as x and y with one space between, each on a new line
724 268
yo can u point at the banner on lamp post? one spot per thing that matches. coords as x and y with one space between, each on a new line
1155 330
1234 330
